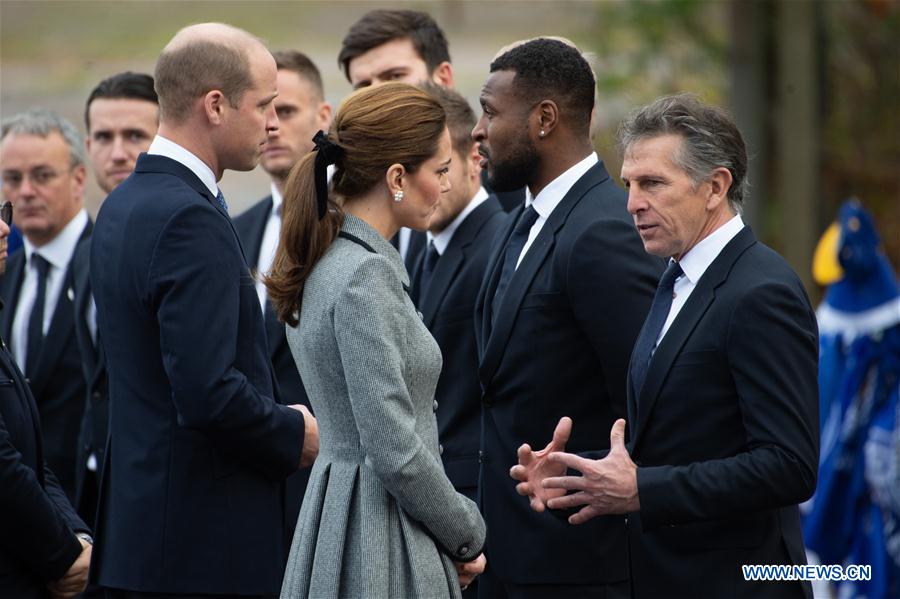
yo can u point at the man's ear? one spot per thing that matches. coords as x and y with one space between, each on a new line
719 184
547 116
443 75
214 106
324 116
474 160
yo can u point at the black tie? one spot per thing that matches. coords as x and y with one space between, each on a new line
36 318
428 264
659 311
514 246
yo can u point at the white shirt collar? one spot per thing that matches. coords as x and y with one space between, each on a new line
442 239
277 200
59 251
699 257
170 149
550 197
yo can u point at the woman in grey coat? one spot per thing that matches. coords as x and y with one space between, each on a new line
380 518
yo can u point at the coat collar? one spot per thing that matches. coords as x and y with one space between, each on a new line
365 232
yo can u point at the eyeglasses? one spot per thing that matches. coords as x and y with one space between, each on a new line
6 212
39 176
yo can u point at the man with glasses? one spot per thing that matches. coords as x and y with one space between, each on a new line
43 174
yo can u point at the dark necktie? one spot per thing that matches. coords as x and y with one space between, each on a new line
514 246
428 263
221 200
659 311
36 318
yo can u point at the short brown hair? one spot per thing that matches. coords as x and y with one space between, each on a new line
460 116
298 62
375 127
189 71
379 27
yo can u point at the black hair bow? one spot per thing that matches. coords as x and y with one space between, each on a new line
327 152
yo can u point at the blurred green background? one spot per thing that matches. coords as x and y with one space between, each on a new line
814 84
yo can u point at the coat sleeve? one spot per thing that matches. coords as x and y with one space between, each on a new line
772 352
370 323
32 526
195 277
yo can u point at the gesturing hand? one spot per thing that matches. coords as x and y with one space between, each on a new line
534 467
608 486
75 580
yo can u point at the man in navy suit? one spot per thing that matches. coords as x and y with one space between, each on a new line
302 111
44 174
45 547
722 387
121 117
445 281
566 290
191 498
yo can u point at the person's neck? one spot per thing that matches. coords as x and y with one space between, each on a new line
279 183
372 209
557 160
194 141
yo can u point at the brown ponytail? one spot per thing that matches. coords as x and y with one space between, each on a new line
375 127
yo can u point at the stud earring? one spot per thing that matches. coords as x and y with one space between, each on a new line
398 195
542 133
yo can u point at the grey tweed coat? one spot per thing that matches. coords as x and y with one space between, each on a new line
380 518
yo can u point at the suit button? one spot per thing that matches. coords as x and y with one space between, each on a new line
463 551
481 458
434 405
96 395
440 449
420 315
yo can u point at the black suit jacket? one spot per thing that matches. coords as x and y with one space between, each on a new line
198 450
37 522
57 382
448 309
95 423
726 438
559 347
250 226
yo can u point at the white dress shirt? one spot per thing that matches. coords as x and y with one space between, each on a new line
268 245
168 148
58 253
550 197
695 263
442 239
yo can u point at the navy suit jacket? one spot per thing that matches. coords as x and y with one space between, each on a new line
559 347
250 226
95 422
37 522
448 309
57 382
726 437
198 450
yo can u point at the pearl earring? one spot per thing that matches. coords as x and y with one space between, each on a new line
542 133
398 195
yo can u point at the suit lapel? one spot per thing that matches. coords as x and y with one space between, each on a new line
684 324
61 326
491 278
453 259
529 267
256 231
